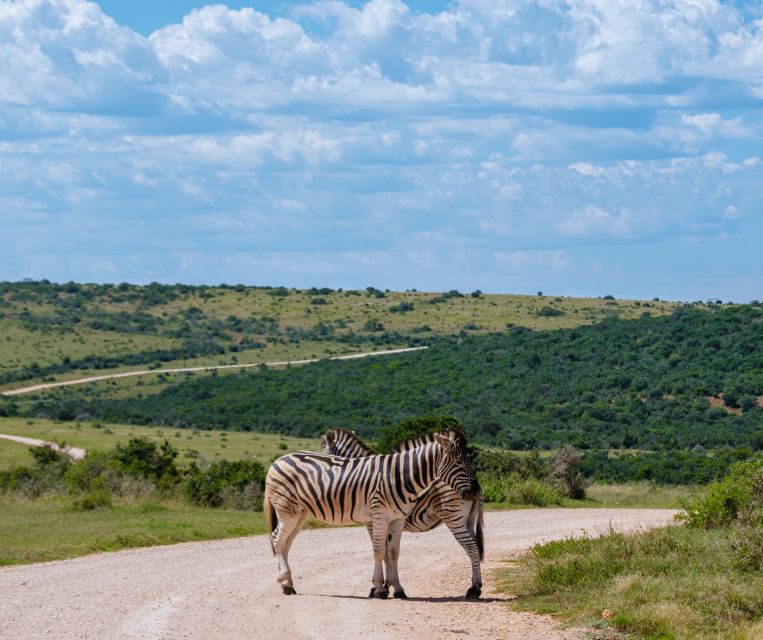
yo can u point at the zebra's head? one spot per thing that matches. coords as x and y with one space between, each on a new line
456 468
341 442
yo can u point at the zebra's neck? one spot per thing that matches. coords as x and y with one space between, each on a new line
414 469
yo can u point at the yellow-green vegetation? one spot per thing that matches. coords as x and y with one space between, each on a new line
639 495
19 346
60 325
700 581
202 446
40 530
636 494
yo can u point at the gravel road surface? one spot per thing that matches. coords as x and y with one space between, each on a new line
227 589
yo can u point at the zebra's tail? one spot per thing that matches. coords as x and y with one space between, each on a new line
479 503
271 517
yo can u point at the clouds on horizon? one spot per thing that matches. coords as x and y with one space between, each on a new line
498 144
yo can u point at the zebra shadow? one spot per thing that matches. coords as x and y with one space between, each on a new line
431 599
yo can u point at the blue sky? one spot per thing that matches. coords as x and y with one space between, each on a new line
584 147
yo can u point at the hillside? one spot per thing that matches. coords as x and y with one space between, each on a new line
691 379
60 331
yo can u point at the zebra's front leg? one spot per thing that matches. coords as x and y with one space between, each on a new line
370 529
379 540
393 554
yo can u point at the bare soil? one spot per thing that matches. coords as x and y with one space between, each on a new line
227 589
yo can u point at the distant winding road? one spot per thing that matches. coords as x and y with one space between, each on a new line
129 374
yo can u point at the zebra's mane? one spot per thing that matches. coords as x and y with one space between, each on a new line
426 438
350 435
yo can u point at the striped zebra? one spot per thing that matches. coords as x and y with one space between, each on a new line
378 489
439 503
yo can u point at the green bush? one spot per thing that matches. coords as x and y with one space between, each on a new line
746 542
140 457
516 490
45 476
238 484
497 463
88 474
738 496
390 437
97 499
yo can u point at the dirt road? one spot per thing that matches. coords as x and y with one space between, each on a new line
73 452
144 372
227 589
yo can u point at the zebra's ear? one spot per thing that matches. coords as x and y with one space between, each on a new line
444 441
327 441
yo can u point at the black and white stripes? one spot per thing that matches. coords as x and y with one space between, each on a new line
376 489
437 504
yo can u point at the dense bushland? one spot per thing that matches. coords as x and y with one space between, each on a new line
641 384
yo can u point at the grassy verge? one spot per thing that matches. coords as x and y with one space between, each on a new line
675 582
632 495
636 495
700 581
40 530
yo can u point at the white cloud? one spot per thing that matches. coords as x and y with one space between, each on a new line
503 130
523 259
595 221
587 169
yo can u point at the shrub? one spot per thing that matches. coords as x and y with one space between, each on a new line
566 473
390 437
746 542
227 483
497 463
140 457
97 499
517 490
549 312
45 476
738 496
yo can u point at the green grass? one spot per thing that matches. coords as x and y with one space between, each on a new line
670 583
14 454
40 530
635 495
209 445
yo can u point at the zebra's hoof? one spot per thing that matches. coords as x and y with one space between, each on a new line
371 593
382 594
473 592
400 595
289 591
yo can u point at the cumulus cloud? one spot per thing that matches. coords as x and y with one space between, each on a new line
503 131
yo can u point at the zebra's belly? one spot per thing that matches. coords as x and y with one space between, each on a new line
338 515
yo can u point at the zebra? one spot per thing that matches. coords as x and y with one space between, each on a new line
437 504
376 489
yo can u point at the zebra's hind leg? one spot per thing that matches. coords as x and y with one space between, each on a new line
288 528
463 525
393 554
